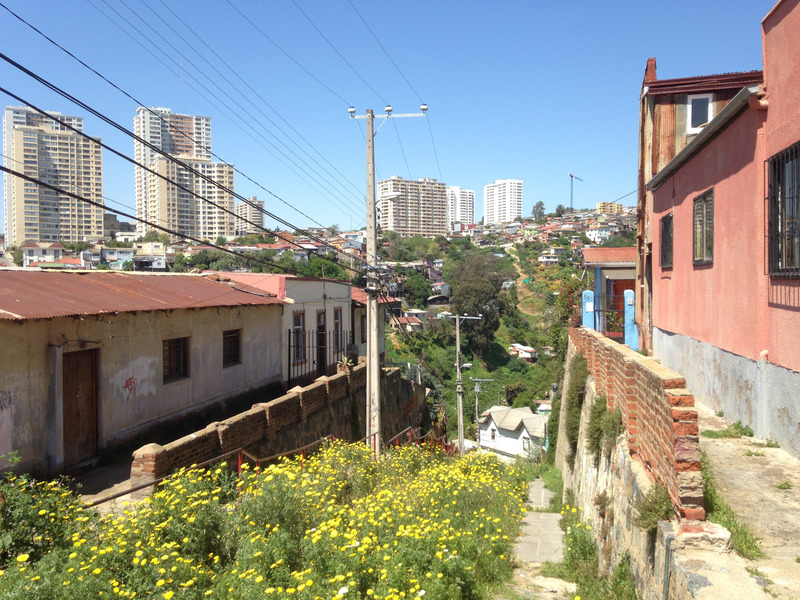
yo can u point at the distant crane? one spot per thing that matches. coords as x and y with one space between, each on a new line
572 178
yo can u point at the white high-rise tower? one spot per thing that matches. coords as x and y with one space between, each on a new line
460 206
502 201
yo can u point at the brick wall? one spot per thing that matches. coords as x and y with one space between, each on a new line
658 415
331 406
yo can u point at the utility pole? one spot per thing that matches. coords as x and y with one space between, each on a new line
459 382
572 179
373 284
477 414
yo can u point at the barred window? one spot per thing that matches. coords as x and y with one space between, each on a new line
666 241
704 228
784 213
298 331
176 359
231 347
338 339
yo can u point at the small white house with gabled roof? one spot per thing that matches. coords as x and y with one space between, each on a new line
512 430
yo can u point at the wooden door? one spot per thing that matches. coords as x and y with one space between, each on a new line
80 406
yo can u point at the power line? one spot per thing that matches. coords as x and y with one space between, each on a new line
231 85
289 56
236 73
122 129
138 102
247 130
158 150
385 51
339 54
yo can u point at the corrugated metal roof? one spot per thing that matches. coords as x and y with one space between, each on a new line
704 83
609 255
26 294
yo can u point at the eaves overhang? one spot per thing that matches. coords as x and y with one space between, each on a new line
732 110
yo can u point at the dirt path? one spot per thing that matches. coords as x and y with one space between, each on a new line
525 296
746 475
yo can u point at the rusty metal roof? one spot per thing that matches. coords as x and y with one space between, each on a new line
703 83
28 294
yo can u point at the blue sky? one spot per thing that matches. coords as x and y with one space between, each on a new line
516 89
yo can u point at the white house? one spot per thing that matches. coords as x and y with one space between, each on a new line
526 353
512 430
319 319
598 235
34 252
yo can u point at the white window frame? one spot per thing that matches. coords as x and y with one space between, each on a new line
689 128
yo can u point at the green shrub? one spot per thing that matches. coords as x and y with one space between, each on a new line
654 507
573 401
603 429
734 430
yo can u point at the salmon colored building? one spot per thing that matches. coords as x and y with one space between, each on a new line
725 226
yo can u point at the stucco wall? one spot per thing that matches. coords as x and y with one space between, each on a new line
725 302
756 392
781 72
131 394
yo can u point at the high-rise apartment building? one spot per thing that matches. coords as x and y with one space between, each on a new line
187 139
412 208
460 206
502 201
43 147
250 216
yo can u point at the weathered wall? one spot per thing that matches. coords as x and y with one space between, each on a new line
331 406
131 394
658 415
693 557
757 393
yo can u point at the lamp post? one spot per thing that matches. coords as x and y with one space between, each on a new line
459 383
373 324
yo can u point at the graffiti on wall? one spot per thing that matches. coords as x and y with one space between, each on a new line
129 387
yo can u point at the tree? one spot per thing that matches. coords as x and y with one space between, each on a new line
418 289
127 265
538 210
560 210
333 230
621 240
220 241
477 289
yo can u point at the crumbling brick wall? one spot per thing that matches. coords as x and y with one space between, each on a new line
658 415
